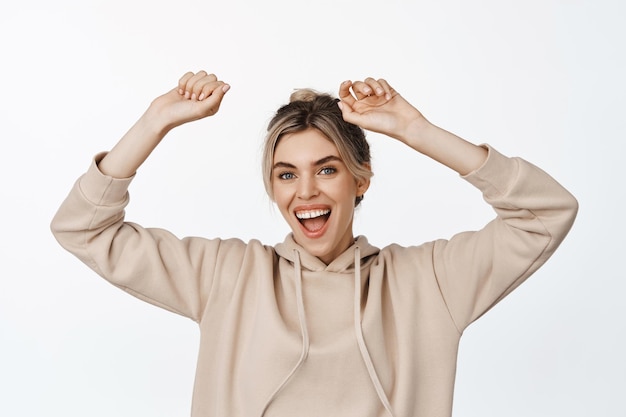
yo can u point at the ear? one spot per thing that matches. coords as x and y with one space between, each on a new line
363 184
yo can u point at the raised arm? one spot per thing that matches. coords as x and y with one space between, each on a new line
375 105
152 264
474 270
197 96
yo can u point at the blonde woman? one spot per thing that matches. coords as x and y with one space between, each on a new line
324 323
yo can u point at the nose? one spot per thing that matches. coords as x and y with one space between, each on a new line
307 188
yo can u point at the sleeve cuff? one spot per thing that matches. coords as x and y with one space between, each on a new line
101 189
496 175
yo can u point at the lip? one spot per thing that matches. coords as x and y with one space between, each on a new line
307 233
310 207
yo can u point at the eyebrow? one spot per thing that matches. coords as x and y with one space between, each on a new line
322 161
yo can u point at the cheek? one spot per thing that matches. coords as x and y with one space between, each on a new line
281 198
347 188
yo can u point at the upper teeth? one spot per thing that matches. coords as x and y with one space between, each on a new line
309 214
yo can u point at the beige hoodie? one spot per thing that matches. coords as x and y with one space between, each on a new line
375 333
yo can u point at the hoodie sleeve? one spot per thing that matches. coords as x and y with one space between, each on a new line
475 270
151 264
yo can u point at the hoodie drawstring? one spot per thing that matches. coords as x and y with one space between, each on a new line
357 328
359 333
301 314
303 329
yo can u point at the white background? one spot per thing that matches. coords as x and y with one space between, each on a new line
542 79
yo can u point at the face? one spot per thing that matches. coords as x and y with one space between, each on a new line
315 193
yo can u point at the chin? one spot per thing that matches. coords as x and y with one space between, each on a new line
324 251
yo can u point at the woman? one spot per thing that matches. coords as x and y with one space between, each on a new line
323 323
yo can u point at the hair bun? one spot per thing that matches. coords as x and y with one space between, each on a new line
303 94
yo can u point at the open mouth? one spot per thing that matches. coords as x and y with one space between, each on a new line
313 220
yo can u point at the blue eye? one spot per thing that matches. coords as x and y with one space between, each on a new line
286 176
328 171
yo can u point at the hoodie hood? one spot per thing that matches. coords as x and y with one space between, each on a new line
344 263
351 261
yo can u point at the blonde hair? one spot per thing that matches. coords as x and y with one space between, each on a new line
309 109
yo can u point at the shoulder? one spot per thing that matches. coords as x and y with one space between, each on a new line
401 250
238 247
399 256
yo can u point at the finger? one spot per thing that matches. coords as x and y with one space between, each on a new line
206 89
376 86
388 90
201 86
182 82
345 94
361 90
213 101
194 84
348 113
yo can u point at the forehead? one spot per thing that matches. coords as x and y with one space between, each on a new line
306 146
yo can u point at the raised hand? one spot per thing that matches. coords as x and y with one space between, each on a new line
374 105
198 95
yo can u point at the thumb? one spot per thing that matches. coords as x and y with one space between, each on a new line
348 113
214 100
216 95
